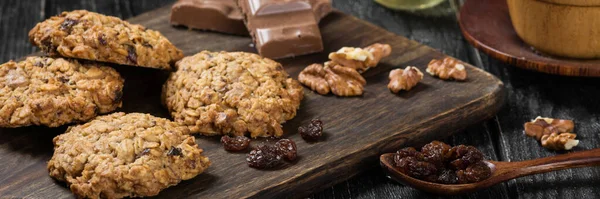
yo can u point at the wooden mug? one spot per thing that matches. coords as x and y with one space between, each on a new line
565 28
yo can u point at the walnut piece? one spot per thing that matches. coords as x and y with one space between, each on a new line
448 68
341 81
554 134
563 141
313 76
379 51
341 75
361 59
404 79
541 126
344 81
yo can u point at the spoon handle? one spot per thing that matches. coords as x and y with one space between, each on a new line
559 162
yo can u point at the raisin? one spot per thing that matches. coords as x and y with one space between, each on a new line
416 168
147 45
398 158
474 173
191 164
131 55
407 152
238 143
313 131
410 151
102 40
143 153
447 176
435 152
463 156
63 79
461 177
287 149
174 151
67 24
39 64
264 157
402 163
48 46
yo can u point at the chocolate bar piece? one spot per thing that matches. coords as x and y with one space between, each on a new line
224 15
215 15
321 8
282 28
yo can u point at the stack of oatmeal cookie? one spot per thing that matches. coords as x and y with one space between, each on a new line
112 156
135 154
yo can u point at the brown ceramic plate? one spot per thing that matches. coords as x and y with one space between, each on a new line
486 24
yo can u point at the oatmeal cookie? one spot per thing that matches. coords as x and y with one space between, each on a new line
53 92
216 93
125 155
92 36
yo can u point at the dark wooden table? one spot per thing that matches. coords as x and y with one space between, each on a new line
500 138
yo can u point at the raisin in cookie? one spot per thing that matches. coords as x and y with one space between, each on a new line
53 92
217 93
125 155
92 36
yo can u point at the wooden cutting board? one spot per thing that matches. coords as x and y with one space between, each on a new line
357 129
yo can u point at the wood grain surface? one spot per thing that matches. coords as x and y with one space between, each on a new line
501 138
357 129
500 40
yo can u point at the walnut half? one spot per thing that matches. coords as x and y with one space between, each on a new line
341 81
313 76
361 59
344 81
541 126
448 68
554 134
404 79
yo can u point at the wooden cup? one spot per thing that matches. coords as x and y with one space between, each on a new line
565 28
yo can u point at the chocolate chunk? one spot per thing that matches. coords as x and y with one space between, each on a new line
174 151
215 15
282 28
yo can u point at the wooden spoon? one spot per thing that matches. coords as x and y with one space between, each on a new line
501 171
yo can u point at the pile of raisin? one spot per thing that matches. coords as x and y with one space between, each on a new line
268 157
438 162
313 131
238 143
